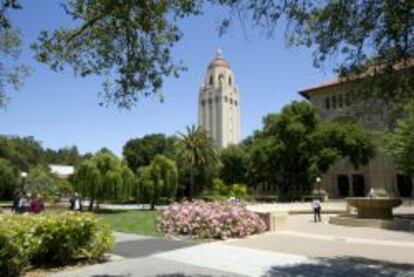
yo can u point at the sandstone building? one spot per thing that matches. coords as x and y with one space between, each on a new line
334 101
219 104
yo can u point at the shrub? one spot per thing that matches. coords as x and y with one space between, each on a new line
238 190
17 243
50 239
207 220
219 188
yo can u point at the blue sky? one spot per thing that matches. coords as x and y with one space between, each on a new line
60 109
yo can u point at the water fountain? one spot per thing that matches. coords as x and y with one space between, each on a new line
377 205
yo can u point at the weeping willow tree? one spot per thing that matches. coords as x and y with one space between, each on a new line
87 181
104 177
159 179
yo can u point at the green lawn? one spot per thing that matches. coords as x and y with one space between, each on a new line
135 222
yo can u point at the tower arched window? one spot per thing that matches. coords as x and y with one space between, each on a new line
230 81
334 102
221 80
231 101
235 103
225 99
211 81
328 103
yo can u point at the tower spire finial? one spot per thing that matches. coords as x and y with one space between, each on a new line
219 53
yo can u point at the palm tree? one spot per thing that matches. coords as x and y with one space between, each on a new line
197 149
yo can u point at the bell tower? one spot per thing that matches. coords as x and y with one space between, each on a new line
219 106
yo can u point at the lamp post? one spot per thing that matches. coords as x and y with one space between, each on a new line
318 183
24 176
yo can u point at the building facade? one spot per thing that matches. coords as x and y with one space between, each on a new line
219 103
334 101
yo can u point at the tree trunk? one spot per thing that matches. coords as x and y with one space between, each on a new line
191 185
90 208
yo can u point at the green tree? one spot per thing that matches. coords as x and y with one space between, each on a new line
141 151
400 143
22 152
233 164
159 179
132 40
8 179
88 181
104 177
363 36
128 40
129 187
39 180
66 155
294 148
11 72
197 151
109 167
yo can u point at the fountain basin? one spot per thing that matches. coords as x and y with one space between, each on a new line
380 208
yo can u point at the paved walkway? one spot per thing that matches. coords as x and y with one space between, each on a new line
301 236
302 248
143 246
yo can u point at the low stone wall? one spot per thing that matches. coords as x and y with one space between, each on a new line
273 220
397 223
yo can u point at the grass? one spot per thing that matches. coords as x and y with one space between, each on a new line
133 222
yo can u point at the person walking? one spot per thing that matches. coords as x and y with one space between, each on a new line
36 205
316 206
24 203
75 202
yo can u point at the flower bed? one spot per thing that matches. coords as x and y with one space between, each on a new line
210 220
50 240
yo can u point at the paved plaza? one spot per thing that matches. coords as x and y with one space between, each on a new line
301 248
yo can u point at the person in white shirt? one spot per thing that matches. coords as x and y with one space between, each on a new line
75 202
316 206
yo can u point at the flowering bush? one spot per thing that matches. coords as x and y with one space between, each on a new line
218 220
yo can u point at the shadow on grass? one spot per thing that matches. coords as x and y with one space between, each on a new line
344 266
109 211
119 211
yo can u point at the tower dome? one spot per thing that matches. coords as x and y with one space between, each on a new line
219 60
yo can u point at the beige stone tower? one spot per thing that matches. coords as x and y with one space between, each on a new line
219 106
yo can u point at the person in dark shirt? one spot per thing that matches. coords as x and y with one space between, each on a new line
36 205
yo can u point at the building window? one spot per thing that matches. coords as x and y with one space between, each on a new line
235 103
347 99
217 99
211 82
231 101
225 99
327 103
221 80
334 102
203 103
230 81
210 101
340 100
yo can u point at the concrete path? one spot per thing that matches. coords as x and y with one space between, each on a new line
301 236
142 267
302 248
